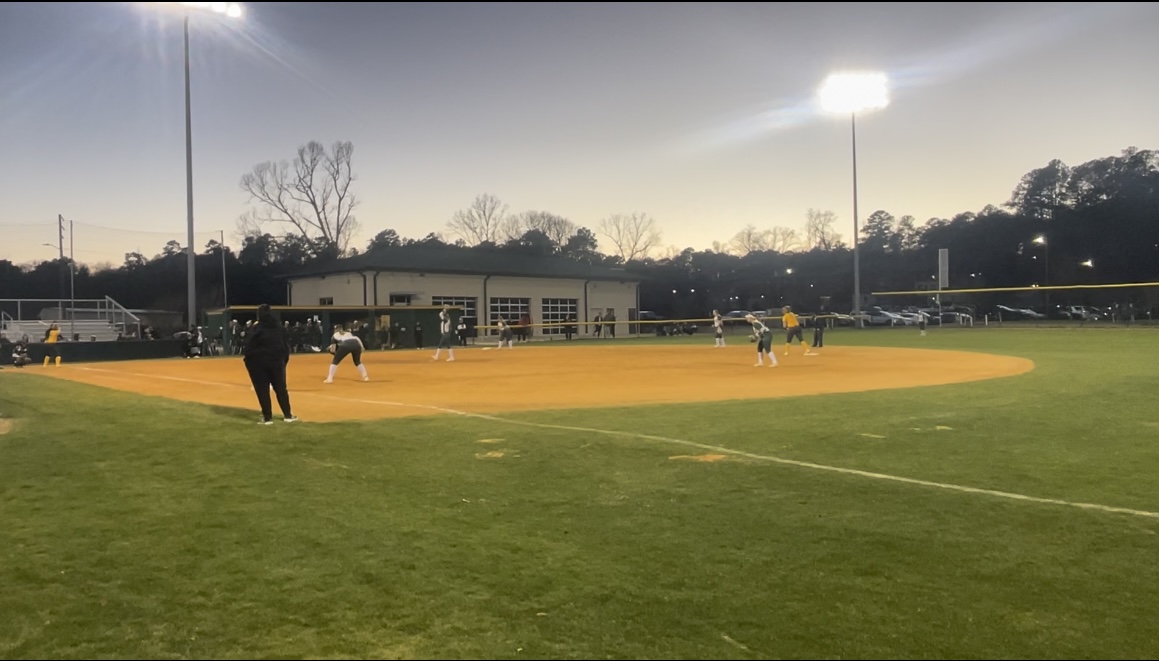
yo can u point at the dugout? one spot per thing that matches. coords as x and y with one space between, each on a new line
380 327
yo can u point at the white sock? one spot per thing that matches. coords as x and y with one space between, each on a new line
362 371
450 354
437 351
333 370
760 360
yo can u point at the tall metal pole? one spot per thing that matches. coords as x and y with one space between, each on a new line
224 285
191 275
71 285
60 246
856 231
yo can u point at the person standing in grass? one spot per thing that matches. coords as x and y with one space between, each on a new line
342 344
266 354
764 339
446 337
793 331
718 328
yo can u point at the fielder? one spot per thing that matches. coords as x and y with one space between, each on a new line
718 328
505 334
793 330
764 338
446 336
344 343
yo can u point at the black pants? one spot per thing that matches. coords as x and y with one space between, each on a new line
265 373
819 336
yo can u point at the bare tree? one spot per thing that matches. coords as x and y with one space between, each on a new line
749 239
556 228
819 231
486 220
783 239
632 236
312 194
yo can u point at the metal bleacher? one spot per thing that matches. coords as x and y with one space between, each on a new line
80 320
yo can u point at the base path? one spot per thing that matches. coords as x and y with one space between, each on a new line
407 383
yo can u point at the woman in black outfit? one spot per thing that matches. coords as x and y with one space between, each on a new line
267 351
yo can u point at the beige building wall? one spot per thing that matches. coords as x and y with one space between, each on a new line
546 300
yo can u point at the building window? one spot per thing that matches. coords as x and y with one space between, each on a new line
469 304
508 309
328 300
558 311
400 299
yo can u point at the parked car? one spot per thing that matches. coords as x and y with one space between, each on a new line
1010 314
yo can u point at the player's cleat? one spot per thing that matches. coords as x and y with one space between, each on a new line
450 360
366 378
292 418
266 422
758 364
328 381
810 353
772 364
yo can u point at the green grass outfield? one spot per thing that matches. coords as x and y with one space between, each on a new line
141 528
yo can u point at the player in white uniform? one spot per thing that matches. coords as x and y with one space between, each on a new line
446 335
344 343
505 334
764 339
718 328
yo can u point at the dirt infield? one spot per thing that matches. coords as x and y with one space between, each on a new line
534 378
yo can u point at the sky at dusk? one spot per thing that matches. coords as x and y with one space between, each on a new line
700 115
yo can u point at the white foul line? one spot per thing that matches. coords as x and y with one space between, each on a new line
704 446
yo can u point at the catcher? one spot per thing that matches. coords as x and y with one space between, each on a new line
344 343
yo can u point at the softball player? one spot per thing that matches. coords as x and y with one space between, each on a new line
51 345
446 335
793 330
764 338
344 343
718 327
505 334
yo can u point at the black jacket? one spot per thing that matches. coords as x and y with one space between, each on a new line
265 342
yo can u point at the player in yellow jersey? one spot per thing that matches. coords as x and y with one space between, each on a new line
51 338
793 330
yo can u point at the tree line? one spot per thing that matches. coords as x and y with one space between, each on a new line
1097 222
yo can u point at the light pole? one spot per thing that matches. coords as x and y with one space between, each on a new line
851 93
224 284
232 10
1041 241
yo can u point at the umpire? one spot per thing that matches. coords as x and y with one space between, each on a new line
267 351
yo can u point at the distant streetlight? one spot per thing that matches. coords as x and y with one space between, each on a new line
851 93
1090 263
230 10
788 271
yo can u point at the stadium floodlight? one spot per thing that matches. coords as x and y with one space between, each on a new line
1090 263
850 93
229 10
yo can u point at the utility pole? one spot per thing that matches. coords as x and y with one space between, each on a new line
71 286
60 243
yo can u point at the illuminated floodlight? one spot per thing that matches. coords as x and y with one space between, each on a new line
1040 240
854 92
230 9
1090 263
